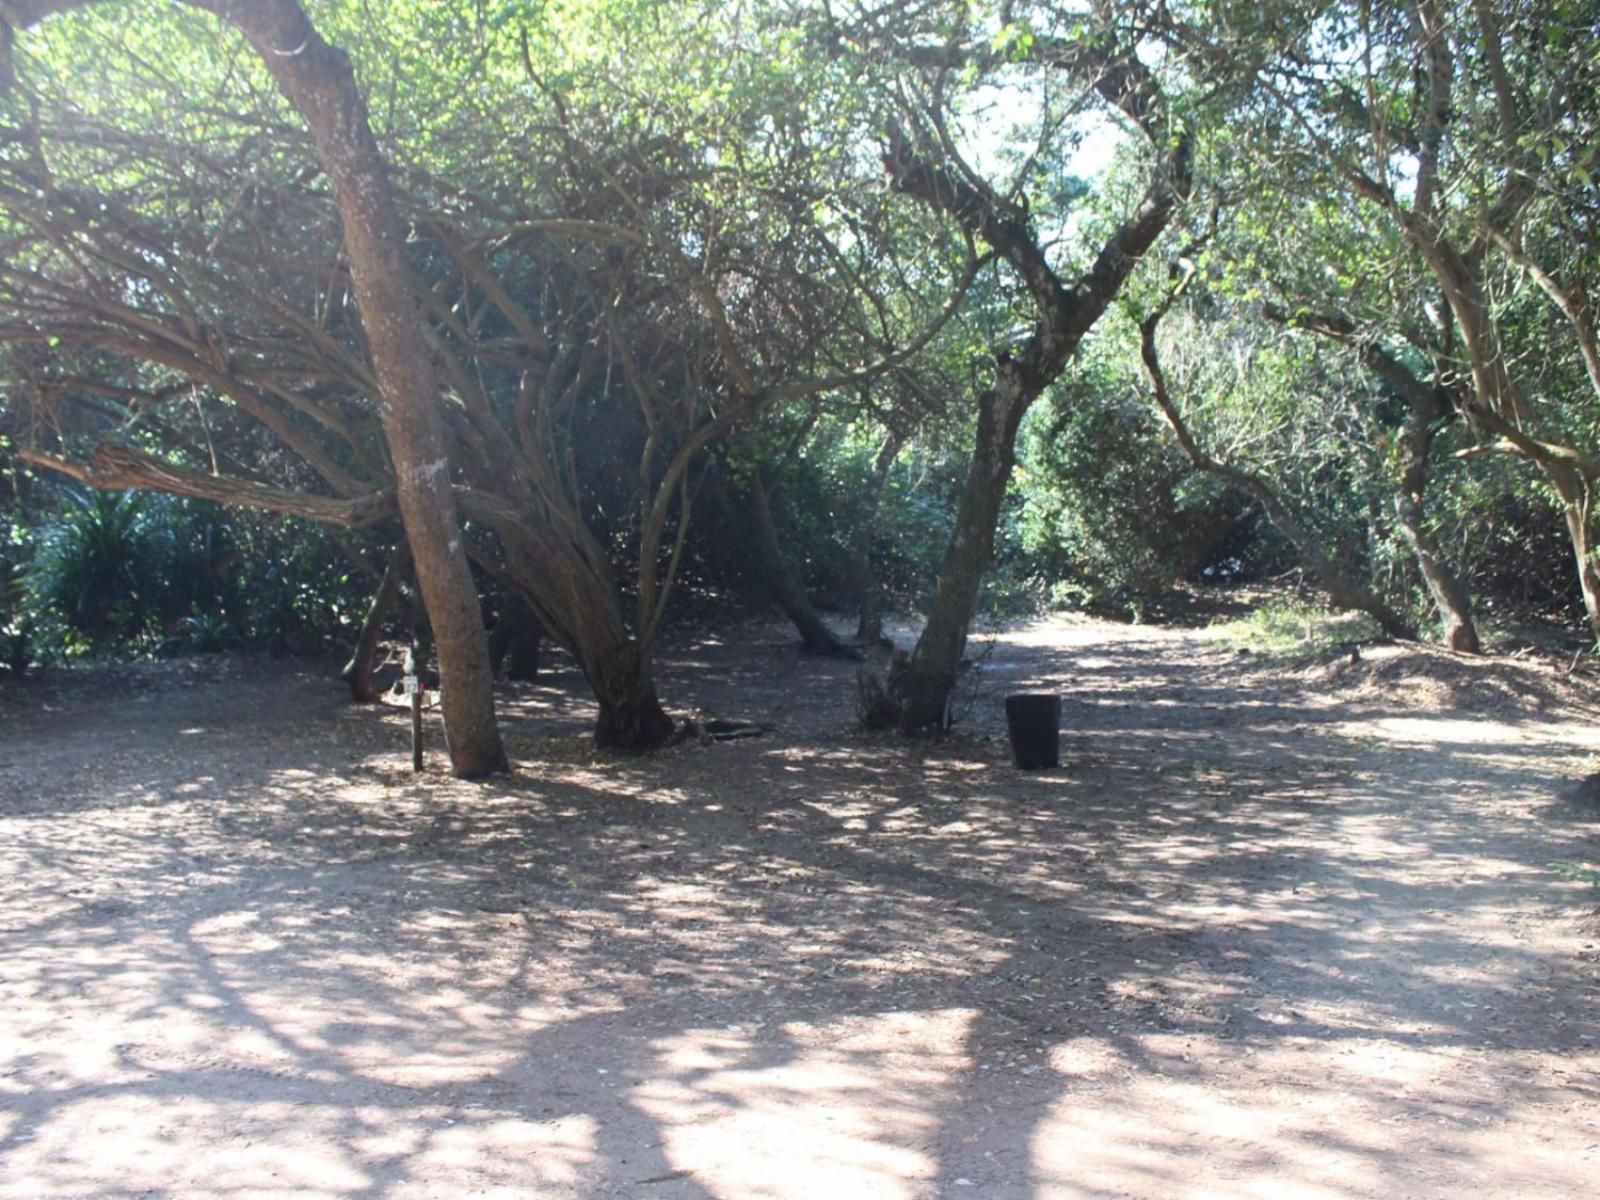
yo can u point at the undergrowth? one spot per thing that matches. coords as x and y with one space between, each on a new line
1293 630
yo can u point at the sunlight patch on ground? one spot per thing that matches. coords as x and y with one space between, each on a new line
178 1145
219 1149
1478 731
505 1157
1222 953
1156 1127
847 1111
1064 630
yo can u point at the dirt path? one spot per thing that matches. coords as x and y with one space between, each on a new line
1269 933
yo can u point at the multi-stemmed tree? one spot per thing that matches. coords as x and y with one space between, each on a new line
1467 131
1066 58
702 254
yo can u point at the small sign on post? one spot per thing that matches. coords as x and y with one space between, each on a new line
413 686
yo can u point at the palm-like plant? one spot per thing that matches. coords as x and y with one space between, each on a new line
95 568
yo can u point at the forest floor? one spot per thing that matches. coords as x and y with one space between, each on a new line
1272 930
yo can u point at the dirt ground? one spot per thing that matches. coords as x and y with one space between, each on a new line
1269 932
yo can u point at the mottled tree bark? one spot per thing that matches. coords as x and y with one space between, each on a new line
318 81
930 675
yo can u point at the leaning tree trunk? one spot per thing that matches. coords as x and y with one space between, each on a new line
869 629
1444 585
318 81
579 610
1343 589
631 716
930 674
619 671
1576 495
1063 316
786 588
358 671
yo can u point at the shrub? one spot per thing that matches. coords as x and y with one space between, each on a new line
95 573
1111 504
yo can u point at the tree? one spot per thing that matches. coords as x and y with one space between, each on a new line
924 162
1468 129
672 249
1297 252
1428 408
1343 587
318 81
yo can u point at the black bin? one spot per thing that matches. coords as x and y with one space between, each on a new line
1034 722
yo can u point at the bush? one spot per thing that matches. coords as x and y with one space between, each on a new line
121 572
95 576
1111 506
204 633
1293 629
1514 551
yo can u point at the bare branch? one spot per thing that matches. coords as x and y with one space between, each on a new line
114 467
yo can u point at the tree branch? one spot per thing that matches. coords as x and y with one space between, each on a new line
114 466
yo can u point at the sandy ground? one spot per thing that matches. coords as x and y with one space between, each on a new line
1269 932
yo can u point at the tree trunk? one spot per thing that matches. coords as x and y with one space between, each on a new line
1576 497
631 716
358 671
1448 592
931 672
517 634
319 82
1063 316
579 609
786 589
869 629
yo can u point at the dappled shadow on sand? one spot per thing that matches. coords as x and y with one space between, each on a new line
1249 940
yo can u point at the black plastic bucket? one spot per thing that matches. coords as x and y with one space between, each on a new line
1034 722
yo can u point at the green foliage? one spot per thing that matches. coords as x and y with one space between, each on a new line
95 576
203 633
16 617
1293 630
747 137
115 573
1111 503
918 510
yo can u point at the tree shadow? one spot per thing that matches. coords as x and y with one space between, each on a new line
1232 935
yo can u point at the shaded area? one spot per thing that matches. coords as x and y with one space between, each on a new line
1264 934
